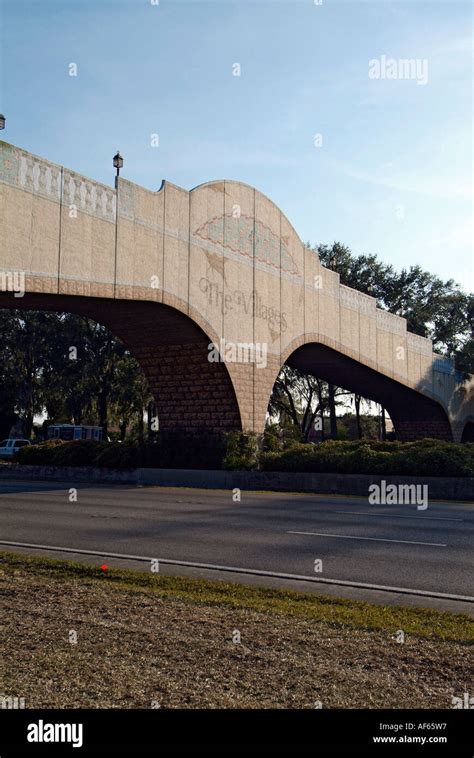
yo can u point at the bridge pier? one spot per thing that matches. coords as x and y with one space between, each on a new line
431 426
190 392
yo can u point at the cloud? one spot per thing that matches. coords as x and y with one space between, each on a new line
407 182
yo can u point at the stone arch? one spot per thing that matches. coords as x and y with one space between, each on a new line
414 415
468 431
171 348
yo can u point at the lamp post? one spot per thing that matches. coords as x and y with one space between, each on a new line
118 162
2 121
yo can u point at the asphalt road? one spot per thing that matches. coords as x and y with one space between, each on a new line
389 546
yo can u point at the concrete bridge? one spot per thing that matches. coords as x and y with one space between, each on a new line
174 272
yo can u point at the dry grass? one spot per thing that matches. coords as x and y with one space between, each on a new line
144 638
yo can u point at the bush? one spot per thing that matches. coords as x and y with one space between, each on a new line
272 439
38 455
77 453
204 449
241 451
175 448
120 455
421 458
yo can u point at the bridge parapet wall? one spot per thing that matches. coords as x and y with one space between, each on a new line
61 226
56 183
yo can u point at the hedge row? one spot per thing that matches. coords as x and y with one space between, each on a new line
206 450
421 458
170 449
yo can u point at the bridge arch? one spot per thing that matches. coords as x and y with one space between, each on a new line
172 350
414 415
468 431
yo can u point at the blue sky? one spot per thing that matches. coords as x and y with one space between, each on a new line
393 173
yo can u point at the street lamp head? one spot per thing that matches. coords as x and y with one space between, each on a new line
118 162
2 121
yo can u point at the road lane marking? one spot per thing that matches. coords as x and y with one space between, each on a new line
397 515
235 570
374 539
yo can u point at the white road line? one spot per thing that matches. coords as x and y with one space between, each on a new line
252 572
374 539
398 515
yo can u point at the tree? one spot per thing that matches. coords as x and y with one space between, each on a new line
130 395
433 308
67 366
70 375
362 272
27 337
9 380
299 398
357 401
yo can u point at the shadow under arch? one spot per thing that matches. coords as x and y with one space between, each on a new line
414 415
172 350
468 431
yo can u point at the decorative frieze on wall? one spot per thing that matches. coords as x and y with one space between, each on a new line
357 301
27 172
89 197
391 323
39 177
31 174
419 344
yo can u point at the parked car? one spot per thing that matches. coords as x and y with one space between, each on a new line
9 447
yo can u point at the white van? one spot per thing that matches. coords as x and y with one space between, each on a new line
8 448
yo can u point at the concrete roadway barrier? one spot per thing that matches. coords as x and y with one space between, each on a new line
439 487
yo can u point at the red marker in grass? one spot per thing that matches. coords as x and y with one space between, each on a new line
104 567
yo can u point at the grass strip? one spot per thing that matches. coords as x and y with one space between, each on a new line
337 612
